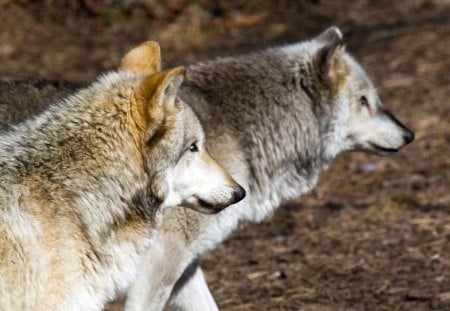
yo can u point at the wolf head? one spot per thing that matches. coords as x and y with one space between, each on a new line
350 113
174 142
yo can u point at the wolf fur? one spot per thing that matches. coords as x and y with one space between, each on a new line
83 186
22 98
274 119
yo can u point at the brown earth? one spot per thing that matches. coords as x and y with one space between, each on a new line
375 233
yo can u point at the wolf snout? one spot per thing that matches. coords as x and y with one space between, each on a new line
215 201
238 194
409 136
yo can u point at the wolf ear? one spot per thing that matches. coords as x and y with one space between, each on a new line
331 34
144 59
161 88
332 67
156 97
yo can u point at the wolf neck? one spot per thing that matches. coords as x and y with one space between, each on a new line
286 161
285 156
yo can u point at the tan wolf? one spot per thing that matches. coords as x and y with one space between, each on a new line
84 184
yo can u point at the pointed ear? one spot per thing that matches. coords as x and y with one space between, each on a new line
155 97
331 34
161 88
332 68
144 59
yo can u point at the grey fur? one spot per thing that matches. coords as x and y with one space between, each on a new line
21 99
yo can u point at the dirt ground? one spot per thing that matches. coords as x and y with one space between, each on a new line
375 233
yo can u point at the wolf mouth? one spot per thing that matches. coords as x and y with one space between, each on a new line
383 149
205 207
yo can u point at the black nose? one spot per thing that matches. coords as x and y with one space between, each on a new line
238 194
409 136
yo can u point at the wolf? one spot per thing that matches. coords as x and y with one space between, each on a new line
85 183
275 119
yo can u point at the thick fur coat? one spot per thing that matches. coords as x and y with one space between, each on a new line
84 183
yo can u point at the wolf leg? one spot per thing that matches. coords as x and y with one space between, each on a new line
161 268
191 293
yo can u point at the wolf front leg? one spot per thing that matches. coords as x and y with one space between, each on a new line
191 293
162 266
170 266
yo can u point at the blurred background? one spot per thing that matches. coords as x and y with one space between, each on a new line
375 233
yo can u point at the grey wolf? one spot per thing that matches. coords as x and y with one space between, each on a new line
21 99
275 119
84 184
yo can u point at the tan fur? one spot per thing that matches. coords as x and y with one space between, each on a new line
144 59
339 70
147 110
58 245
83 186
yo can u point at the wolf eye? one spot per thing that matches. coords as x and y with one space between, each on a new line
193 147
364 102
